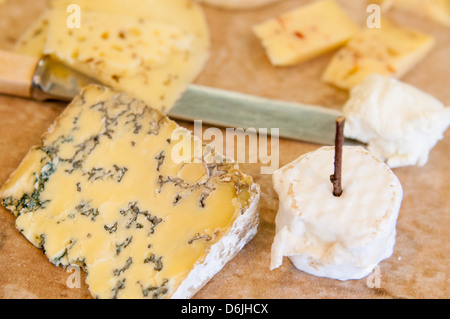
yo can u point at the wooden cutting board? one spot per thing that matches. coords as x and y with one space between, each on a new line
419 267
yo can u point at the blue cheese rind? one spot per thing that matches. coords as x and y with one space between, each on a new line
103 192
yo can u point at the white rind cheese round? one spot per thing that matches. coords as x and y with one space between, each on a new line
400 123
337 237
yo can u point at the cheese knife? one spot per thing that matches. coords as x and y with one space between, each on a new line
46 79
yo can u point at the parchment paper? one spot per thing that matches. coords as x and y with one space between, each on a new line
419 267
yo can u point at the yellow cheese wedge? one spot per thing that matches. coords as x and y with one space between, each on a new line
107 191
436 10
390 51
306 32
152 49
32 42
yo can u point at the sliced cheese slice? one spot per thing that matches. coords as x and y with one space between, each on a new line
436 10
106 191
149 48
32 42
306 32
390 51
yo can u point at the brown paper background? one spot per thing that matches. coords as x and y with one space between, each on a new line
419 267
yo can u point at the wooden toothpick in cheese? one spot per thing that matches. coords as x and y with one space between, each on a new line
337 237
305 33
390 51
149 48
104 192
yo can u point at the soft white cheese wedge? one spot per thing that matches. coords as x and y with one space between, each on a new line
32 42
436 10
400 123
337 237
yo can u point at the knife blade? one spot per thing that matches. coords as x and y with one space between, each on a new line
47 79
223 108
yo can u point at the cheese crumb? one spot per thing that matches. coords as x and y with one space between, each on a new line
400 123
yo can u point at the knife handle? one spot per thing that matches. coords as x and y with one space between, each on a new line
16 73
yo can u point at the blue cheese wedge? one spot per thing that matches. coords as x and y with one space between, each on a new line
306 32
104 191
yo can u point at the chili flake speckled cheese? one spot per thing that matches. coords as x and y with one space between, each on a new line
149 48
305 33
390 51
238 4
32 42
103 192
